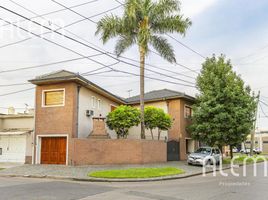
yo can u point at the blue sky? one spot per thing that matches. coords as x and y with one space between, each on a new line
238 29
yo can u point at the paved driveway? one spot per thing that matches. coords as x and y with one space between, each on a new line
194 188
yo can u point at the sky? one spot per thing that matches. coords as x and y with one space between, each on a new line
238 29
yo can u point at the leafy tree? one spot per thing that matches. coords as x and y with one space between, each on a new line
165 123
143 23
122 119
156 118
151 119
224 110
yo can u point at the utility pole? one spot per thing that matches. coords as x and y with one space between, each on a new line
252 142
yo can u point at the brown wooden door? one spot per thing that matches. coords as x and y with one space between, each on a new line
53 150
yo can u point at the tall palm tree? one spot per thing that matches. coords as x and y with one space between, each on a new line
143 22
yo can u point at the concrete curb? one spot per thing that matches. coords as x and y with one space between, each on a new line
90 179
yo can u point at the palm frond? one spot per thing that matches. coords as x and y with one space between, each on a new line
164 7
163 47
109 27
123 44
175 23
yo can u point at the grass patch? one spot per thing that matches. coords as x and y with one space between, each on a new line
2 168
136 173
241 158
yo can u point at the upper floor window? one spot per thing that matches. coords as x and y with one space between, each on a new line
99 104
55 97
188 111
93 102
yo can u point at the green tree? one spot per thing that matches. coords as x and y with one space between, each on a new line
143 23
224 110
164 124
122 119
150 118
156 118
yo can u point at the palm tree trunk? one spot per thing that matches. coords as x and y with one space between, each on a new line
142 63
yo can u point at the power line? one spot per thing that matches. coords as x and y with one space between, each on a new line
178 64
77 41
48 64
59 28
10 93
187 47
112 56
264 103
52 12
263 111
15 84
86 18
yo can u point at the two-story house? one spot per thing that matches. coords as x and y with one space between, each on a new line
66 104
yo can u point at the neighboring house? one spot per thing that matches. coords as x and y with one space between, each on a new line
67 103
261 141
16 136
179 106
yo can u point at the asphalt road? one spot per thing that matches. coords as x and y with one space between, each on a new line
199 188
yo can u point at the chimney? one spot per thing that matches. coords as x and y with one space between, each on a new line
11 111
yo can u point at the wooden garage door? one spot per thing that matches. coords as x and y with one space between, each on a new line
53 150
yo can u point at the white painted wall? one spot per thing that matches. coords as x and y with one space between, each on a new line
85 124
17 123
134 132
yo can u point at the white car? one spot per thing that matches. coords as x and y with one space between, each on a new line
205 156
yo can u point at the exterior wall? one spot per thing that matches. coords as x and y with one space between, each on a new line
55 121
60 119
178 130
85 123
17 123
109 151
134 132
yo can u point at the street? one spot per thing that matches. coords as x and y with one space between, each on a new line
198 187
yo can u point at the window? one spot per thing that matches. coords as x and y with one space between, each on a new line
93 102
113 108
53 97
187 112
99 104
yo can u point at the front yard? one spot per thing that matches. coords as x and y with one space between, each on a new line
137 173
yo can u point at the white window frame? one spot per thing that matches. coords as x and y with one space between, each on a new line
51 90
185 111
93 102
99 104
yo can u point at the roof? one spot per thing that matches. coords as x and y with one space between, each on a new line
5 116
65 76
157 95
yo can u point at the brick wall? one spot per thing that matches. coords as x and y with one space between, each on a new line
115 151
57 120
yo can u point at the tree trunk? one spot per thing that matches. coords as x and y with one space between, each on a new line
159 132
152 134
142 63
231 151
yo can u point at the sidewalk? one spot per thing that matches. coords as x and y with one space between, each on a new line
80 172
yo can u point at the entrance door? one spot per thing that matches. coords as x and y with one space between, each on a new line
53 150
173 152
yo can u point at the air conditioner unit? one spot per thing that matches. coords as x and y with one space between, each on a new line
89 113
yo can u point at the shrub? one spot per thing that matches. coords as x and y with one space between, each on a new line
122 119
